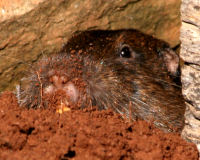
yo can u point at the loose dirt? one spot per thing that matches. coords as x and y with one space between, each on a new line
85 134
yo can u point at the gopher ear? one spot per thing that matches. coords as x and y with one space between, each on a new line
171 60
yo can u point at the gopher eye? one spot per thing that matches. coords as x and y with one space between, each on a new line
125 52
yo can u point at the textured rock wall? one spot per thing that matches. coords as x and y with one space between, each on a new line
30 29
10 8
190 53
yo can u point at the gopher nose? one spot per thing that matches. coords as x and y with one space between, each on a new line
59 83
71 91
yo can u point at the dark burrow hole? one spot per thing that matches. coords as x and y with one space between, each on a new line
168 148
69 154
129 129
27 131
6 145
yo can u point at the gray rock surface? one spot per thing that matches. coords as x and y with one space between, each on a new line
30 29
190 53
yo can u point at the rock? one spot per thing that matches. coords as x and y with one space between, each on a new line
190 47
190 34
11 8
31 29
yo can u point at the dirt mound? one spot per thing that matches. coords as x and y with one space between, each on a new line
83 134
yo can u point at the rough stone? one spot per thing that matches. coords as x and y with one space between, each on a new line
191 85
191 12
191 93
10 8
190 49
190 43
31 29
191 130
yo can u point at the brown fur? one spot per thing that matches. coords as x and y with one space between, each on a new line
91 61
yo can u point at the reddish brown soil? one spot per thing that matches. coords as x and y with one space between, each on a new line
83 134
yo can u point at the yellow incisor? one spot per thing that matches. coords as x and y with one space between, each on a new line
62 108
